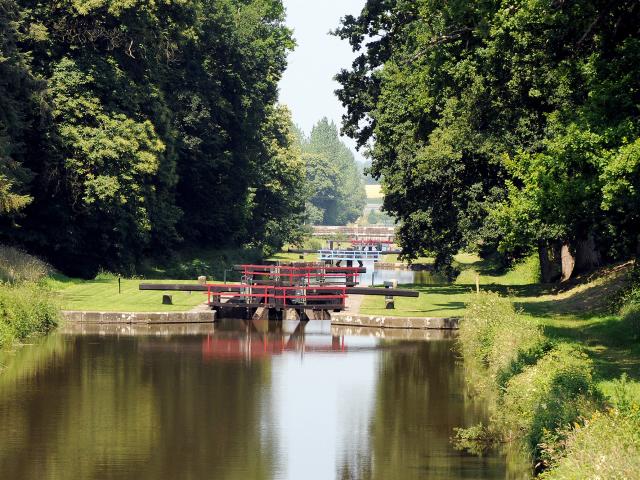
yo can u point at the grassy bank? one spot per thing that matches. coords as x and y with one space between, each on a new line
104 294
563 372
445 299
561 363
27 306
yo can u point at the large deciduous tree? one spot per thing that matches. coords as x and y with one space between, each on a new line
157 126
506 125
18 98
336 187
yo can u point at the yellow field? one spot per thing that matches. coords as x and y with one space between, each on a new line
374 191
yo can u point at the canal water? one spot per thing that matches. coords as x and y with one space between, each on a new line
238 400
378 276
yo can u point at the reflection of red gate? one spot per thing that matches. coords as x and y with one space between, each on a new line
251 346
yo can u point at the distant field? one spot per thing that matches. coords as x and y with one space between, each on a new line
374 191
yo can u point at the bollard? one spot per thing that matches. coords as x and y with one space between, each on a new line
389 302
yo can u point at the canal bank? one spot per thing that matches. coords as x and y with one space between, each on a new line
353 317
378 321
194 316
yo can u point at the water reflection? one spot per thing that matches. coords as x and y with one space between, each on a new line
250 400
378 276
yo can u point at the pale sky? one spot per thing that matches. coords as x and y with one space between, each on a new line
307 86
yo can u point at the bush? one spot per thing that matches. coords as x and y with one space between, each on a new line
211 263
25 309
549 396
495 335
607 445
630 322
17 266
315 244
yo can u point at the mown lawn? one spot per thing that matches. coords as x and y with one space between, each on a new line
293 257
102 295
434 301
449 299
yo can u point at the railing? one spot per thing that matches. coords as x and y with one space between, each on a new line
354 255
278 296
369 231
370 241
302 275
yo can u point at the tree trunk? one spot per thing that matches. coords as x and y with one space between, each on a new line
545 264
567 261
587 255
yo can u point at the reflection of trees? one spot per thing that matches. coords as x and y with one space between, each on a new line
142 408
419 402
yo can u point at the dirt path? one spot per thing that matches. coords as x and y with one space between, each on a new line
353 303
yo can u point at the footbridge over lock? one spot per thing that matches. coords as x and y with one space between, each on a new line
356 232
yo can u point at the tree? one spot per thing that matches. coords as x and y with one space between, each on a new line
278 199
493 124
17 91
333 177
142 127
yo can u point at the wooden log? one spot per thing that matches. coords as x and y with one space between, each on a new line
189 287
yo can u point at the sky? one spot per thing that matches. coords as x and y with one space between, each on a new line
307 85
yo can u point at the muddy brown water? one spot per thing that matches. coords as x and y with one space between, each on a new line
238 400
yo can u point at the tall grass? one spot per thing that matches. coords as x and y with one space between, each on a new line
17 266
25 309
539 388
26 304
630 315
548 396
606 445
500 339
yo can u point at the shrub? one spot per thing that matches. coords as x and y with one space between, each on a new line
495 335
315 244
477 439
24 310
548 396
630 322
17 266
607 445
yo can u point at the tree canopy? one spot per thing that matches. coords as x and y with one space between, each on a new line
510 125
129 127
336 187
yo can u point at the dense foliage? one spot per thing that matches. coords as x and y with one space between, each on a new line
335 182
17 91
127 127
614 435
507 125
539 389
27 306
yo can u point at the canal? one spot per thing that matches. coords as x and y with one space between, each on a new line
238 400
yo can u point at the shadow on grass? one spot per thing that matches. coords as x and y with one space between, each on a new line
59 278
610 342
